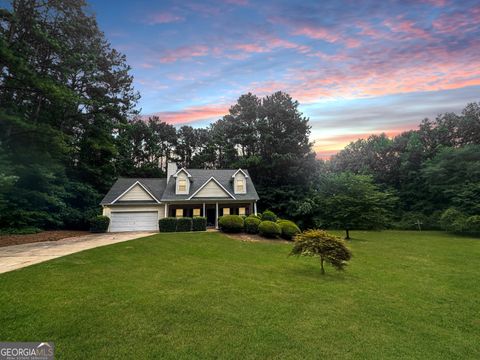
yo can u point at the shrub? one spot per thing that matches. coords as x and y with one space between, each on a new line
269 229
472 224
327 247
269 216
199 223
453 220
289 229
255 216
168 224
231 223
99 224
251 224
412 220
184 224
21 231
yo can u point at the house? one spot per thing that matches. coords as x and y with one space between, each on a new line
134 204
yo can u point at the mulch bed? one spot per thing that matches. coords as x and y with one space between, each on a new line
6 240
254 238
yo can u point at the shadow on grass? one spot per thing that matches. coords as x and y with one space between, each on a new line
313 272
355 239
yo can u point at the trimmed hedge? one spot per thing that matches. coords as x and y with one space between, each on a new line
199 223
251 224
269 229
184 224
168 224
269 216
230 223
289 229
99 224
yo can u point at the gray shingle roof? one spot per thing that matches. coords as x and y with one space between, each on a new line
200 176
166 192
156 186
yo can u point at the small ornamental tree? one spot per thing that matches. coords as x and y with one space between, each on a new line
327 247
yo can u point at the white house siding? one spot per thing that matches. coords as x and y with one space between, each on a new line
212 190
137 193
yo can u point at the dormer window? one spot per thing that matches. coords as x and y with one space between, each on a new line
182 182
239 178
182 185
239 186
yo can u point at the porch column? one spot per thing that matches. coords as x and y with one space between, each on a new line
166 210
203 213
255 207
216 215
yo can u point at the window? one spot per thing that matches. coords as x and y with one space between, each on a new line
241 211
182 185
226 211
179 213
196 212
239 187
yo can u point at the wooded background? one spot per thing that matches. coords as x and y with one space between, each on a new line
69 126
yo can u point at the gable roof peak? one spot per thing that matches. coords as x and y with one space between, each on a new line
240 170
180 170
136 183
205 184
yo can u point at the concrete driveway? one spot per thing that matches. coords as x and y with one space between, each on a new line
19 256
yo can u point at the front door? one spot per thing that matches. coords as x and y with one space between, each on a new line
210 217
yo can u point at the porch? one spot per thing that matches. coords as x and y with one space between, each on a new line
211 210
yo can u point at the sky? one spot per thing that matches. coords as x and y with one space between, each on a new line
356 67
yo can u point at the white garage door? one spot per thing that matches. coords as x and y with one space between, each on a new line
134 221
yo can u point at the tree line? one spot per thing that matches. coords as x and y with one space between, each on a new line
69 126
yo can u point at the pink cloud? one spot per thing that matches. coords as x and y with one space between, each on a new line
184 52
458 22
163 18
329 35
315 32
268 44
192 114
251 48
146 65
367 29
328 146
409 29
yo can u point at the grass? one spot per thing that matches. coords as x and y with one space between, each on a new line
405 295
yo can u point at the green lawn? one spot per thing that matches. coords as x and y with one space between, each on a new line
405 295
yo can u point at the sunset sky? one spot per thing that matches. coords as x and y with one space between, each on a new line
356 67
